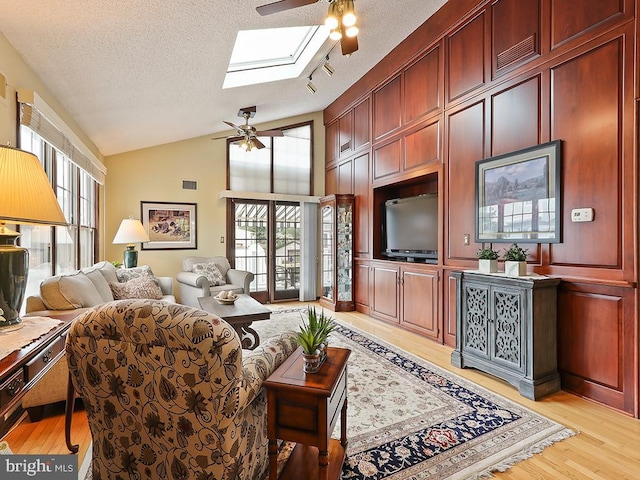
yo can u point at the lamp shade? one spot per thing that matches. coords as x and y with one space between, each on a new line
26 196
130 231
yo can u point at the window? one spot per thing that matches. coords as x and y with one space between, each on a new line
55 250
266 233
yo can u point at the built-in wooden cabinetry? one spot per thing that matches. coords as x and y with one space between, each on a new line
406 295
486 77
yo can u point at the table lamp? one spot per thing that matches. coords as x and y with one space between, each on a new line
26 197
131 231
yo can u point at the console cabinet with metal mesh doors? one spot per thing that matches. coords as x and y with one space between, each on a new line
506 326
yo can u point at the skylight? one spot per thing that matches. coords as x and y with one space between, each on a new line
261 56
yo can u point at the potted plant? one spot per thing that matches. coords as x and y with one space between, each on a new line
487 260
515 264
312 337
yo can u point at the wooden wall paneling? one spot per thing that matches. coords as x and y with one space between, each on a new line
515 34
331 142
422 146
466 145
345 133
331 180
449 309
361 189
597 341
362 269
516 116
387 103
572 18
586 114
361 125
387 159
423 91
345 177
466 58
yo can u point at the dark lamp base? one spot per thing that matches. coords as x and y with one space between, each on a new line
14 268
130 257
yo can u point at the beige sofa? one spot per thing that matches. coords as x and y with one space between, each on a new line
76 293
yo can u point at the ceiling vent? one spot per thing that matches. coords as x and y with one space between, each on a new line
189 185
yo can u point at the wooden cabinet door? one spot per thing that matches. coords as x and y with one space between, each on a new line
361 125
385 292
361 186
420 301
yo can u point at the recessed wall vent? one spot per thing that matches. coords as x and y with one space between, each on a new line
189 185
518 52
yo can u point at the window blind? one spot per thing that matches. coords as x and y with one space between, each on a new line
53 129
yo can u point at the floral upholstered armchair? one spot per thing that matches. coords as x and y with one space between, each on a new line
169 392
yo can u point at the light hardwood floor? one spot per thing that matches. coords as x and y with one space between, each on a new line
607 445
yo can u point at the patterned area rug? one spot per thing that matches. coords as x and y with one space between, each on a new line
409 420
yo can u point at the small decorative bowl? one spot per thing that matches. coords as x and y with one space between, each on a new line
226 301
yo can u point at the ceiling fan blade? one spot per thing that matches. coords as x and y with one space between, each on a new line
270 133
282 5
233 125
348 44
257 143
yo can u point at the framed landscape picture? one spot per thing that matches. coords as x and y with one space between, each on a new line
518 196
169 225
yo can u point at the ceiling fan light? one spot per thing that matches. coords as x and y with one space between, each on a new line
332 17
348 14
352 31
335 34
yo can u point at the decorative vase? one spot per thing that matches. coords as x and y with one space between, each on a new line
515 269
312 363
487 266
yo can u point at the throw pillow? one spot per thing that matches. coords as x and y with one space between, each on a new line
209 270
141 287
126 274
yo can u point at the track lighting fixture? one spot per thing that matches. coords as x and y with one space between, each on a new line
310 86
327 68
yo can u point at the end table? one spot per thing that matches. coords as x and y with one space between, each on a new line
303 408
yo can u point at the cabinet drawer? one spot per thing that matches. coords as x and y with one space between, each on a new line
43 359
12 387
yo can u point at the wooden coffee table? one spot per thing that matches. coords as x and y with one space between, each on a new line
240 315
304 408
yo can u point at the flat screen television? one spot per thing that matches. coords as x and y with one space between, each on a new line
411 228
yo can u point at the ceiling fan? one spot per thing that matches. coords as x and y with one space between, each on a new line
248 133
340 19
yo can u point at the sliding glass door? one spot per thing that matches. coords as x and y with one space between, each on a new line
267 242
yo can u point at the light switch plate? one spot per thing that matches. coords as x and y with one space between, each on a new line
582 215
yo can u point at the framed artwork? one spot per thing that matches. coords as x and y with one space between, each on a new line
170 226
518 196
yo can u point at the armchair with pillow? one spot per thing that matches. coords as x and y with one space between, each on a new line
206 276
169 392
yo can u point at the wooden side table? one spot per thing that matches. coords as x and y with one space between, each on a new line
304 408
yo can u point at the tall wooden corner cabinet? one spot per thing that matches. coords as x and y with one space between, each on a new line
336 262
507 327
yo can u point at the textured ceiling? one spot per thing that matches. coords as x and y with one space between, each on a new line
139 73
